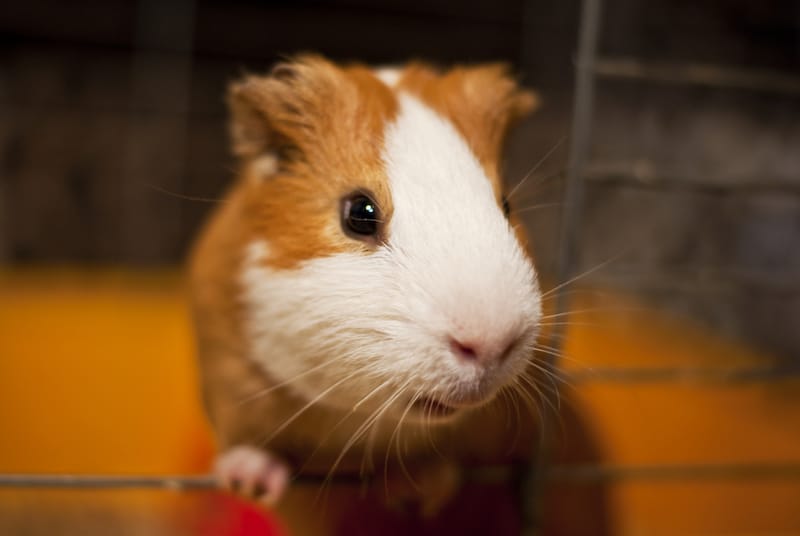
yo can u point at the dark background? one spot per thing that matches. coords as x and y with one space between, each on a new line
110 111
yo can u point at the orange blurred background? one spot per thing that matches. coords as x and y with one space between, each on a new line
97 376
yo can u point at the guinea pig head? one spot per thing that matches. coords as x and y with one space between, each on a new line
383 271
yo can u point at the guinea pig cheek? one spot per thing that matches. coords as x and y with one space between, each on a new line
328 330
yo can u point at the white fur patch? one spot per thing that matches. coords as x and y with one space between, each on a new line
457 246
358 328
264 166
388 75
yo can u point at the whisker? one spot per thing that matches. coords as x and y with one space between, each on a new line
427 412
590 310
170 193
507 392
559 354
555 352
343 419
592 293
535 207
538 190
369 421
582 275
271 388
403 468
552 377
534 402
535 385
529 399
536 166
583 324
305 408
546 370
368 457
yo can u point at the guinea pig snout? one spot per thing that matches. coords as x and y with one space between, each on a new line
481 350
480 360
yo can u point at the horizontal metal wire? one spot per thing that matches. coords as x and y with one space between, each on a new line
698 74
486 475
697 280
748 471
632 174
683 374
175 482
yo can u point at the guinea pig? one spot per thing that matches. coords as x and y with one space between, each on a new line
363 298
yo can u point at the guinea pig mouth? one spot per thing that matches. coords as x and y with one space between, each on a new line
432 408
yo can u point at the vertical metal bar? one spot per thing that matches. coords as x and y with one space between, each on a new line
5 256
579 149
533 485
9 132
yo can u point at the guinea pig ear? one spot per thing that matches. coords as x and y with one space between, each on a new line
279 114
523 102
250 131
497 101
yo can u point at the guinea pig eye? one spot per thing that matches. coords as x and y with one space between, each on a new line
506 207
360 216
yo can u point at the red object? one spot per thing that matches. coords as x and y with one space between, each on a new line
222 514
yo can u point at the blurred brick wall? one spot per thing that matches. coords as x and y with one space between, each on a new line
693 190
107 104
703 181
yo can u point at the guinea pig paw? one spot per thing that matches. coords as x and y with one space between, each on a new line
252 473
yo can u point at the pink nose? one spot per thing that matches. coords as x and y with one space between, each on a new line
480 352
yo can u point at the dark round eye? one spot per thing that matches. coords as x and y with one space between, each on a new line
360 216
506 207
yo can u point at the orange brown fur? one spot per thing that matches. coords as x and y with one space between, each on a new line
324 124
